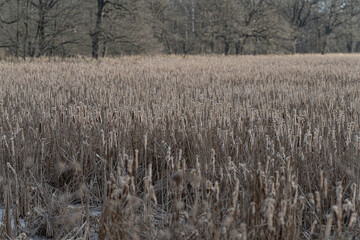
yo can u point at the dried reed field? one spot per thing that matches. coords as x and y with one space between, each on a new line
202 147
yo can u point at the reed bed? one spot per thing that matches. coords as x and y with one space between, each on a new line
202 147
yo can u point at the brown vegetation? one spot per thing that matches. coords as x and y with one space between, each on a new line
181 148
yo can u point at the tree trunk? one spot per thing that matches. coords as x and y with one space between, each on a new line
95 47
41 30
31 49
104 49
227 48
17 30
349 44
324 45
170 51
328 31
26 23
63 50
96 34
239 46
212 46
184 48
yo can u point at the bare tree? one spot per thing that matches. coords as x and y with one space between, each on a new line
37 27
335 15
299 14
112 27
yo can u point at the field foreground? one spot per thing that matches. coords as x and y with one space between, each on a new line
181 148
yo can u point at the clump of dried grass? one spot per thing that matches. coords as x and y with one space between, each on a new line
195 148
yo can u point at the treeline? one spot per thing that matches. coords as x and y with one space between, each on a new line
98 28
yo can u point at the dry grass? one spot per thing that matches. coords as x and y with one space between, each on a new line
181 148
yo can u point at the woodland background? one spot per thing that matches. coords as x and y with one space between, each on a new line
99 28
